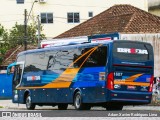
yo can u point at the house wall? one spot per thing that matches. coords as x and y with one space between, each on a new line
154 7
154 40
155 11
11 12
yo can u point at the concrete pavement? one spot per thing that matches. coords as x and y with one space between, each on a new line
7 104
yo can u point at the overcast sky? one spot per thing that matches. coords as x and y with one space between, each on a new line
153 2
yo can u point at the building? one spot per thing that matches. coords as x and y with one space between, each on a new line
154 7
130 22
119 18
57 16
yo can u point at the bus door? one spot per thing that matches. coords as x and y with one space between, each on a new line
17 69
132 68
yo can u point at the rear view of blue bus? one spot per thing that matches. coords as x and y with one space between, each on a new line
130 79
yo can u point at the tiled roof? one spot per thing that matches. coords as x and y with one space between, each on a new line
119 18
11 54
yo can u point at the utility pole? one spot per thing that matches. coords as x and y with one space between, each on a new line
26 19
39 32
25 29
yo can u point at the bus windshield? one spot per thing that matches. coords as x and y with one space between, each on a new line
132 51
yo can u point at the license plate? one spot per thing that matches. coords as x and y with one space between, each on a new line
131 87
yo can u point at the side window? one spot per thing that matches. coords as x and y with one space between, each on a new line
51 62
21 58
35 62
61 60
35 69
96 59
17 75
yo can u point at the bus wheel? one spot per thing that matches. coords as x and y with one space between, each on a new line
29 104
62 106
114 107
78 103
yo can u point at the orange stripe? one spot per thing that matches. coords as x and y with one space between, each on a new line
131 83
132 78
81 56
53 85
65 79
88 56
70 73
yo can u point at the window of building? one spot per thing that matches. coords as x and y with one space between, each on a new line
73 18
90 14
20 1
46 17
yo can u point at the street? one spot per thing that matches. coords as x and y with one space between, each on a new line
49 111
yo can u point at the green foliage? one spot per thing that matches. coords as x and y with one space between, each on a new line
1 30
3 42
2 53
3 35
1 106
16 36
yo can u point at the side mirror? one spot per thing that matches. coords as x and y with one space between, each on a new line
10 70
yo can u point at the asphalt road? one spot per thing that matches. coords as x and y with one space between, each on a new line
18 111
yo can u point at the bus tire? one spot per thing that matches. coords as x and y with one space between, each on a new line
78 103
29 104
114 107
62 106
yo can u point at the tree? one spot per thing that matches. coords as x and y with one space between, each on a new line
3 42
16 36
3 35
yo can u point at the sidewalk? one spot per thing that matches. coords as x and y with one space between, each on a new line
9 105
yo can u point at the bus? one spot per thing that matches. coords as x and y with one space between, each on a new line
110 74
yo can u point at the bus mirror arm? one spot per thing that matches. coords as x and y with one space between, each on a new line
8 71
10 68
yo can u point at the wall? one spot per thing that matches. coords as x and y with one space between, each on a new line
155 11
10 12
5 86
153 7
154 39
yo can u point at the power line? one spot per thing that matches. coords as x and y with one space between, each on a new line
10 14
31 9
35 21
12 20
73 5
77 5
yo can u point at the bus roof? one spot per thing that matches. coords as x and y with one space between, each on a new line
78 45
64 47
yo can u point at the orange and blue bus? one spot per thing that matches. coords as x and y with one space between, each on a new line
110 74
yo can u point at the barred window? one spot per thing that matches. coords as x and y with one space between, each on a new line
46 17
20 1
73 17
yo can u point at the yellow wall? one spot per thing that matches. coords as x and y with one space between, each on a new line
11 12
155 12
